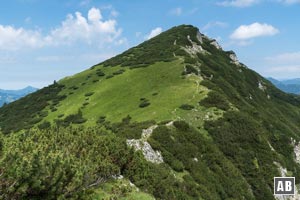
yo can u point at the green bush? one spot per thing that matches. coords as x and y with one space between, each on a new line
60 115
188 59
181 125
89 94
109 76
44 125
73 87
100 73
101 120
144 103
215 99
189 69
85 103
59 163
186 107
127 129
121 71
177 165
72 119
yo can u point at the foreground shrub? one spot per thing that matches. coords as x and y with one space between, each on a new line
58 163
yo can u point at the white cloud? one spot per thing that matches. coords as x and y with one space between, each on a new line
238 3
176 11
245 32
94 15
154 33
74 29
12 38
88 30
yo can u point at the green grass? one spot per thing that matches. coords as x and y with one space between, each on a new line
179 175
119 189
161 83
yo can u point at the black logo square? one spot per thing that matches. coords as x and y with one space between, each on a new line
284 185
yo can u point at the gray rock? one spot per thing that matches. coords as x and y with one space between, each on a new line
142 144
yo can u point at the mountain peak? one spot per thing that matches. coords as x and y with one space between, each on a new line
163 47
182 40
28 89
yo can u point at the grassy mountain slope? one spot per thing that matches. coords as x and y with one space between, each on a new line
231 130
161 84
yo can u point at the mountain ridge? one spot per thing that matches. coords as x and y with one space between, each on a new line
8 96
223 130
289 86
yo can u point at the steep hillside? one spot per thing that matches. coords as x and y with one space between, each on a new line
207 127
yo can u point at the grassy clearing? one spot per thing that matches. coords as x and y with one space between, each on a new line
161 84
119 189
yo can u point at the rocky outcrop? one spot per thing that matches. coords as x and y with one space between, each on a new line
296 151
234 58
194 49
261 86
199 37
141 144
216 44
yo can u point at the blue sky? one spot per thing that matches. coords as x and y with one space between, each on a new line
42 41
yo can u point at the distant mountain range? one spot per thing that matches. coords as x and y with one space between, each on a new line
7 96
288 86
